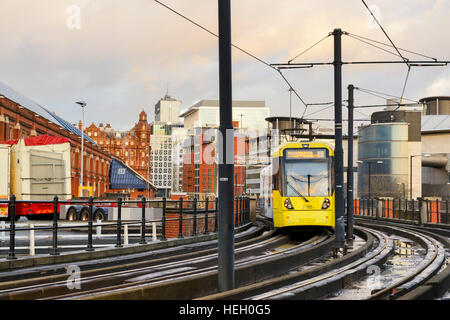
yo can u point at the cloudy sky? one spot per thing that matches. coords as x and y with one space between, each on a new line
119 56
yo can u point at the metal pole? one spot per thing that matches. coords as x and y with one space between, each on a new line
12 228
90 247
119 223
143 219
180 226
338 152
163 230
194 233
370 172
226 167
82 149
350 165
54 251
410 177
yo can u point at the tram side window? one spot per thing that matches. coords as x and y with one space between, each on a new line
276 181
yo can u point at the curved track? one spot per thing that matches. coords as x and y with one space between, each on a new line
106 282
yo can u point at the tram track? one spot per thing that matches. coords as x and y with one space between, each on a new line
95 282
316 282
268 266
431 277
191 284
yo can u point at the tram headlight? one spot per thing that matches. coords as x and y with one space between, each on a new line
326 203
288 204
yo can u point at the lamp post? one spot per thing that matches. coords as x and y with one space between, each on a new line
410 171
404 188
83 105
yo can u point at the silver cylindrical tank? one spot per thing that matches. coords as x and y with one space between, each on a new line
383 160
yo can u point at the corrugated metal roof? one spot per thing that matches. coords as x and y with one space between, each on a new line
432 123
31 105
123 177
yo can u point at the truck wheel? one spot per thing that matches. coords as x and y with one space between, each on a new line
99 215
85 215
72 214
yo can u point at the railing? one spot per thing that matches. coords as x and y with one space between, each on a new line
179 218
418 211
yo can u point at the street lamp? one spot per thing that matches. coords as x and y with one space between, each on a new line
410 171
404 188
370 169
83 105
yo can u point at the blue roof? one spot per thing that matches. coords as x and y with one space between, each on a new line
40 110
123 177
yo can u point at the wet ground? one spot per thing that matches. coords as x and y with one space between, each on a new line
406 255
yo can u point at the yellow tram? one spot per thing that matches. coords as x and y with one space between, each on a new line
297 189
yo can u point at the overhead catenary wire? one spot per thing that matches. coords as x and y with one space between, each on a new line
315 44
385 33
356 36
395 47
370 44
382 95
236 47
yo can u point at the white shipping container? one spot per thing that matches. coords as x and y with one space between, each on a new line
4 177
39 172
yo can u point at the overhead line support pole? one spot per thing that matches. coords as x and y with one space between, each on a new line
226 153
338 150
350 165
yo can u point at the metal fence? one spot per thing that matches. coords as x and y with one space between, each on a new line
420 210
180 218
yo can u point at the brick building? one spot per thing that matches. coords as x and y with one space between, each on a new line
132 147
199 163
21 117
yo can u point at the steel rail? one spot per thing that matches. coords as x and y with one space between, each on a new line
428 267
384 246
9 287
185 274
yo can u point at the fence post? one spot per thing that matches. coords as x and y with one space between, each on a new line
3 236
154 231
446 211
125 234
91 208
195 217
12 228
206 215
31 245
438 211
163 229
379 211
180 220
54 251
247 209
98 231
143 220
236 209
423 208
215 216
119 223
242 209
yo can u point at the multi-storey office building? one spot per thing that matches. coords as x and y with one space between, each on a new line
200 159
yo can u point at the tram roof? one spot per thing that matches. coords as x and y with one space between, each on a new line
302 144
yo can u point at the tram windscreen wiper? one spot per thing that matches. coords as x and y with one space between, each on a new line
309 185
296 191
